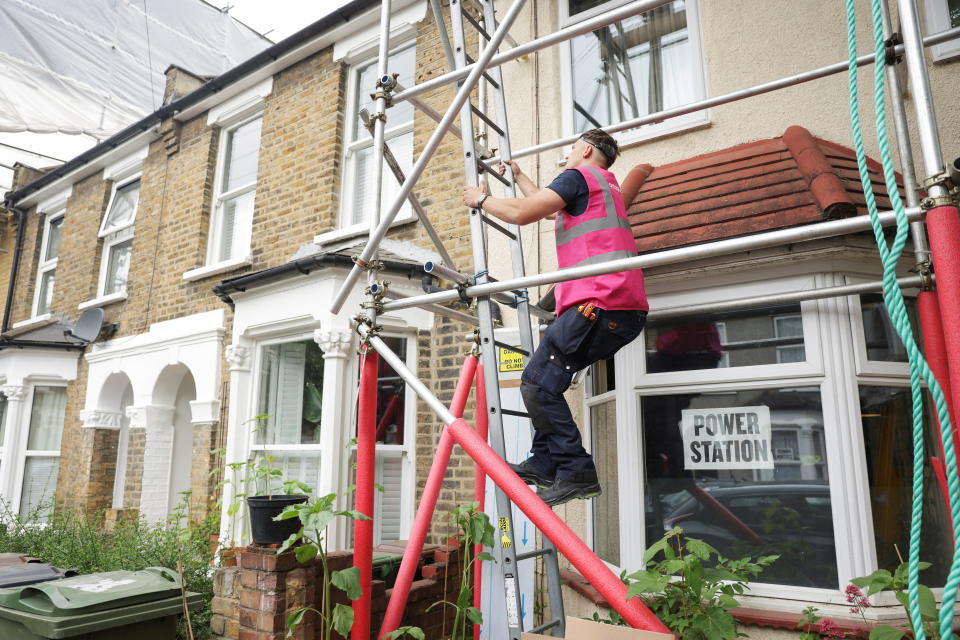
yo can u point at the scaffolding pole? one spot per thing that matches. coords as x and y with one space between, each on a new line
581 557
943 220
377 233
671 256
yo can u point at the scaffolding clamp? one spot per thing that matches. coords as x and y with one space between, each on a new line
890 55
373 330
377 292
372 265
474 339
925 271
385 87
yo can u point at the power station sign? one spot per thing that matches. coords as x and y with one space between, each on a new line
728 438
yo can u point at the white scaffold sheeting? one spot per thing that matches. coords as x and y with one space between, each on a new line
86 67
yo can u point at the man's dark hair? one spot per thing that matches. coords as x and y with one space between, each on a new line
604 142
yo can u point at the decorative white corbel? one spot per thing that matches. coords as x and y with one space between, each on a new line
335 343
238 357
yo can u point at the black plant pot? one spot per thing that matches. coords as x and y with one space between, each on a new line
263 509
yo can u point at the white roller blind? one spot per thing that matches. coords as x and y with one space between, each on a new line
46 418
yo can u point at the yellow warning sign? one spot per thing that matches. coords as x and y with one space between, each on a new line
505 541
509 360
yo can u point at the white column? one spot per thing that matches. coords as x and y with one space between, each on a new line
240 394
11 441
335 425
157 420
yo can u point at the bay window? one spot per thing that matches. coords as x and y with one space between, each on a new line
769 430
640 65
117 234
357 196
47 267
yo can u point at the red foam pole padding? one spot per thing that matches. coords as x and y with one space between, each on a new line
366 471
428 502
935 348
479 493
943 226
586 561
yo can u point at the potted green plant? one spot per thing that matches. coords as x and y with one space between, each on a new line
273 496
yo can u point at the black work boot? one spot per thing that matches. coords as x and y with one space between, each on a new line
582 485
531 474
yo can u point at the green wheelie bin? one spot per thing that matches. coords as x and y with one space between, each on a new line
115 605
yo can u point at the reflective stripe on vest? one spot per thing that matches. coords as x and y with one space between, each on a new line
604 257
610 221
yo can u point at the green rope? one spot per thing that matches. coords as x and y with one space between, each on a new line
893 299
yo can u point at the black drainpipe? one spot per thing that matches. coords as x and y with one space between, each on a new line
21 218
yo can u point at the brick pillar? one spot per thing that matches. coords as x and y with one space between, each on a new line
271 587
157 424
225 622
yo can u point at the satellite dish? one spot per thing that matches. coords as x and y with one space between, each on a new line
88 326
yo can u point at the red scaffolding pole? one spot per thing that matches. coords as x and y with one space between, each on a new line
479 489
366 470
428 502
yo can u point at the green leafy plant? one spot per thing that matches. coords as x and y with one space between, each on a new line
475 529
691 587
309 543
405 632
882 580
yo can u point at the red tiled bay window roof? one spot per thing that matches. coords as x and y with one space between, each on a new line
769 184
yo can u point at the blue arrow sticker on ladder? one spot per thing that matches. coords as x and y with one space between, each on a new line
523 608
524 538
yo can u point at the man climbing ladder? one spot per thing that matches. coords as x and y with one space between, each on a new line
596 316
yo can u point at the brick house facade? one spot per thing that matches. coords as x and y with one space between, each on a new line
194 358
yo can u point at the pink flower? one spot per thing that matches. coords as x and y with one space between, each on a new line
853 593
828 629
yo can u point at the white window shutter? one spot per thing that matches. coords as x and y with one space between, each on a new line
287 421
387 514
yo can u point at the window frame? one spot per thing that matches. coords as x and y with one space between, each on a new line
47 266
115 235
937 14
352 147
686 122
241 253
829 329
22 452
590 401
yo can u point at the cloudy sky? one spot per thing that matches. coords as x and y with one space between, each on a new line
278 18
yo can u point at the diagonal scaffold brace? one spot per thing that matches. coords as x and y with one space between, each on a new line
581 557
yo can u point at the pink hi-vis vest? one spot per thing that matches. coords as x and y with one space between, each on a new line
601 233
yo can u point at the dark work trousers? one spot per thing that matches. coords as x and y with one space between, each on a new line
573 342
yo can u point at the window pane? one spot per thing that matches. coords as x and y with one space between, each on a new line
53 239
633 67
45 297
39 486
236 218
402 147
390 396
882 340
606 507
954 6
389 501
734 339
748 485
118 266
601 377
579 6
242 155
291 387
402 62
124 206
302 466
886 413
46 418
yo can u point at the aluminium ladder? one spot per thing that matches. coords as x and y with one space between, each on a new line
483 23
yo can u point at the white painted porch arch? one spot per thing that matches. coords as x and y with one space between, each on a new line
174 372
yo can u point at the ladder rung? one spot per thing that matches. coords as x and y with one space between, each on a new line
475 23
545 626
490 122
486 75
516 414
498 227
504 345
536 553
483 166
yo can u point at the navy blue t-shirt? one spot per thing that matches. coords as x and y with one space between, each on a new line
572 187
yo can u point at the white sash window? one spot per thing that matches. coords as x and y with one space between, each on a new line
117 233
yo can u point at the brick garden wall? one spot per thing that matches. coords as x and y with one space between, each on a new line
252 601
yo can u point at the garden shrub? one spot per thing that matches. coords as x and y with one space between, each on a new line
74 540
